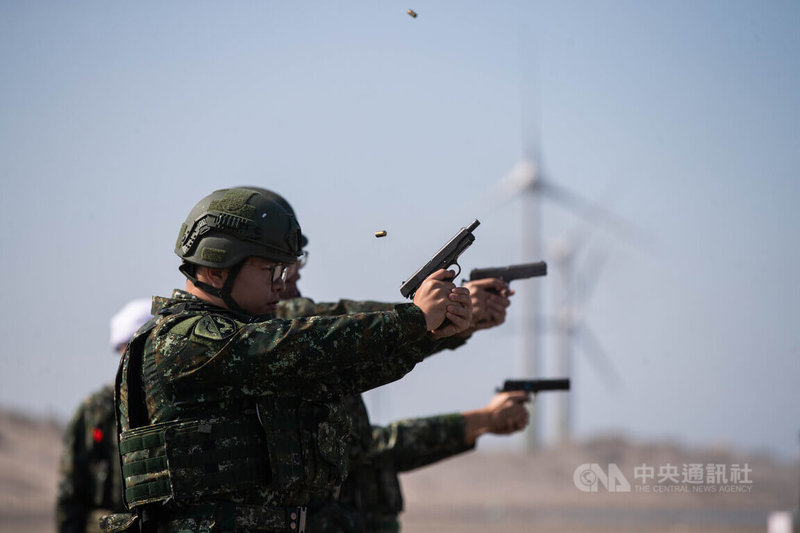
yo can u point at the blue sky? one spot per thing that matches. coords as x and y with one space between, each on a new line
680 118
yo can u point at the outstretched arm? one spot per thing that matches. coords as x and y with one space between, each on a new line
413 443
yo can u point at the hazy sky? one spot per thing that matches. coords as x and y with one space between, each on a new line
679 117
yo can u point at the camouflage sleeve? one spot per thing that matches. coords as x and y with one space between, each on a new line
324 356
412 443
430 346
306 307
72 505
426 344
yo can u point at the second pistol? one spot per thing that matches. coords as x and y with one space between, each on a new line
511 272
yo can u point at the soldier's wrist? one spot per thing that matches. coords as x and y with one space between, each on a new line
413 318
476 423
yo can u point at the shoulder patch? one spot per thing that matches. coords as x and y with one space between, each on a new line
215 327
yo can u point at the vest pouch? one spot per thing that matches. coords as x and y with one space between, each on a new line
325 429
215 457
306 441
144 465
182 461
278 418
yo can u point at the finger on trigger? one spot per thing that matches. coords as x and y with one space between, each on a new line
443 275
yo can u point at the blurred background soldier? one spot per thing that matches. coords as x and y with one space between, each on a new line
230 417
379 453
371 499
90 483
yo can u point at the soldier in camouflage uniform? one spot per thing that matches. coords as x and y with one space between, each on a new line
371 499
90 483
230 420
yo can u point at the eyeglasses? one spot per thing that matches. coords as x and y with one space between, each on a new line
279 272
301 262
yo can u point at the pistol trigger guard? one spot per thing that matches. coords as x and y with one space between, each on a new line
457 273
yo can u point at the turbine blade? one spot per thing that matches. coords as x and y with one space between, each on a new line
598 357
590 274
521 177
594 213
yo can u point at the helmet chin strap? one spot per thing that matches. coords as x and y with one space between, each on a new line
224 293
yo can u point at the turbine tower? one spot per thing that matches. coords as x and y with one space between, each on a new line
573 287
530 184
529 181
529 358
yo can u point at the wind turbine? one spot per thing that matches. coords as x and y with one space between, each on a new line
529 182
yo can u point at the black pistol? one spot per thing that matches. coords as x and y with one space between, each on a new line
534 385
511 272
444 258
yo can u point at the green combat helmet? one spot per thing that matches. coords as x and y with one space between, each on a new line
230 225
272 195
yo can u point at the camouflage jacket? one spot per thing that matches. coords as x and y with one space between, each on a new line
89 474
201 363
370 498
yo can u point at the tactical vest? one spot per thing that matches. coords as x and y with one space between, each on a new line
185 460
272 443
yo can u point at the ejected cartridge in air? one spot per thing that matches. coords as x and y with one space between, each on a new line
381 233
412 13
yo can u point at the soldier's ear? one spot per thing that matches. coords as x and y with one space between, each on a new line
213 276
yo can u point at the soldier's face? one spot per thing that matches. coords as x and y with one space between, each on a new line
256 290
